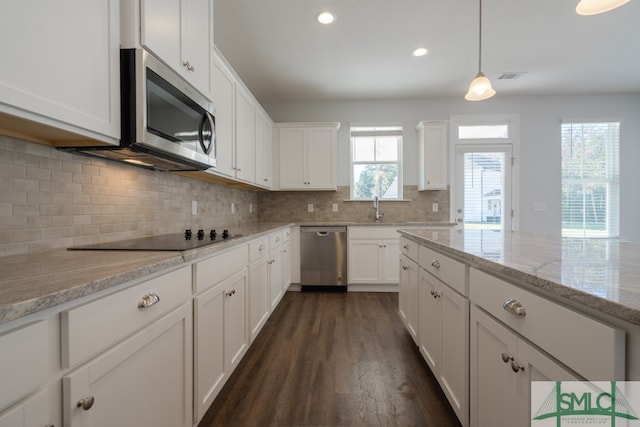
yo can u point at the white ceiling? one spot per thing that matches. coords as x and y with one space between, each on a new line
283 54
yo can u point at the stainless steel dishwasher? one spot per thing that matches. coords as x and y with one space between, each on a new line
323 258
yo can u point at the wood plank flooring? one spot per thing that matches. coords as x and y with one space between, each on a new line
332 359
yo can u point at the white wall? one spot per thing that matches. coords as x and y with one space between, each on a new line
540 118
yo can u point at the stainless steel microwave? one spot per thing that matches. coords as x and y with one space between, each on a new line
166 124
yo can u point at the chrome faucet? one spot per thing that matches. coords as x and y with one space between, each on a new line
376 206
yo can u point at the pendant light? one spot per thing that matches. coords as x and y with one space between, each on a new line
593 7
480 88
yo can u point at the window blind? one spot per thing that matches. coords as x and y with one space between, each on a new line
590 179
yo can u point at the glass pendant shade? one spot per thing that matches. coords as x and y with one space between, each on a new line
480 89
593 7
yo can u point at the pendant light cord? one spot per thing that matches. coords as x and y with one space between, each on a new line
480 38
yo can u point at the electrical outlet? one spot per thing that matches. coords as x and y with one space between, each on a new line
194 207
310 207
233 208
434 207
250 207
334 207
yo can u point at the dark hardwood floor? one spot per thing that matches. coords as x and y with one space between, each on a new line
332 359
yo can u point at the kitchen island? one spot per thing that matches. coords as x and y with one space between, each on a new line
491 312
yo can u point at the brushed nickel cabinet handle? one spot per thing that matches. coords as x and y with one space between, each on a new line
435 263
516 367
514 306
405 268
148 300
86 403
506 357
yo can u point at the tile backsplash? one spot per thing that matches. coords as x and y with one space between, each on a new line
293 205
51 199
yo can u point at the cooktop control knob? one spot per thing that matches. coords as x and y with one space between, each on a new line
225 234
200 234
187 234
213 234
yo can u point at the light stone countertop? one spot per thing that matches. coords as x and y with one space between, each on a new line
32 283
599 274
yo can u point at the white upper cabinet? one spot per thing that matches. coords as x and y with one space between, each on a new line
264 149
61 70
308 156
245 135
223 101
432 145
179 32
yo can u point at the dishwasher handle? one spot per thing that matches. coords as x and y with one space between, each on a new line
322 233
323 230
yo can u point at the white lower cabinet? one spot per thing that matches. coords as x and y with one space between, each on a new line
146 380
259 302
502 368
220 323
34 411
373 255
287 259
409 302
444 340
275 277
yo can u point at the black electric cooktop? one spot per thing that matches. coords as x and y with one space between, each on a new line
164 242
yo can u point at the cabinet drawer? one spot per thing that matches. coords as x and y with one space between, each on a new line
258 248
450 271
24 357
275 239
589 347
286 235
409 248
90 328
220 266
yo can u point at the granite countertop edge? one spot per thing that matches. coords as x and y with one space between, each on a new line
593 302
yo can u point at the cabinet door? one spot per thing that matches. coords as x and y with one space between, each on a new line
209 372
60 62
364 261
223 96
433 156
537 367
259 306
275 277
197 40
430 322
292 163
493 384
390 254
453 374
245 135
146 380
409 276
35 410
264 150
161 32
236 337
320 159
286 266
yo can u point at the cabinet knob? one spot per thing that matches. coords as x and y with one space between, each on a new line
148 300
406 246
188 66
506 357
516 367
86 403
405 268
230 293
514 306
261 248
435 263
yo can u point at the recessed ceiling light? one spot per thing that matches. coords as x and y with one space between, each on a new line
326 18
421 51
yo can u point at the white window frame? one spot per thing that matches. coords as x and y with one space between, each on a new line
456 146
399 162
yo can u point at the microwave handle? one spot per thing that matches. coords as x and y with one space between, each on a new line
207 118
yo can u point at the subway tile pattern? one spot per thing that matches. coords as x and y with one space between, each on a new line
51 199
293 206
